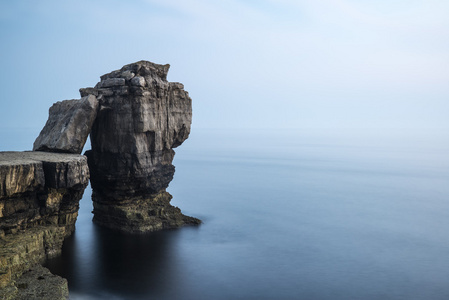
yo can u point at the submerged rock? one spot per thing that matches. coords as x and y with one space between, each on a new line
142 117
68 125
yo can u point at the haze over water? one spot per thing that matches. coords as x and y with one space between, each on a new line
287 215
298 214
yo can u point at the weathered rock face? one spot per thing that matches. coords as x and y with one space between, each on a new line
68 126
142 117
40 188
135 118
39 202
37 283
25 251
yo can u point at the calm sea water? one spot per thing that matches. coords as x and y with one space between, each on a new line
287 215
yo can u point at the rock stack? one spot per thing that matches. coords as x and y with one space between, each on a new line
135 118
142 117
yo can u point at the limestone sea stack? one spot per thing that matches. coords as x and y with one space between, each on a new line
142 117
135 118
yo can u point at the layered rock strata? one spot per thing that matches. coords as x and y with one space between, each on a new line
39 202
40 188
142 117
135 118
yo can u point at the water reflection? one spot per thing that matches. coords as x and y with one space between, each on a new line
132 265
303 219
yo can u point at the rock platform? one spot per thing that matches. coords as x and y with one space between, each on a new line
39 202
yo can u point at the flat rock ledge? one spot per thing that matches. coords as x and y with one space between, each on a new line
39 202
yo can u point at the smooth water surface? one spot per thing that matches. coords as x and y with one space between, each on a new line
287 215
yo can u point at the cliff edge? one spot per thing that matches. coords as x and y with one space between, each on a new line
135 119
39 202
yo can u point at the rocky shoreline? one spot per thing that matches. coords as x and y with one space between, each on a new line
135 118
39 202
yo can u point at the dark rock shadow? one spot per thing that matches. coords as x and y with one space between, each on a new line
118 265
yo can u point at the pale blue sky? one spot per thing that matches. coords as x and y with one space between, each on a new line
246 64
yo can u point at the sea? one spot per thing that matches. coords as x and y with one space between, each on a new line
287 214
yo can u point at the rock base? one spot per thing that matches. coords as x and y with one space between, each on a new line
36 283
21 275
22 250
140 215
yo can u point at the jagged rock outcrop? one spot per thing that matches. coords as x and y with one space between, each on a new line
68 125
142 117
39 202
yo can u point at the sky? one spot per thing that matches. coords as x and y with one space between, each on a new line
247 64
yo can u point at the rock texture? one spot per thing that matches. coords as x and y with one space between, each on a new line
39 188
142 117
37 283
39 202
23 252
68 125
135 118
